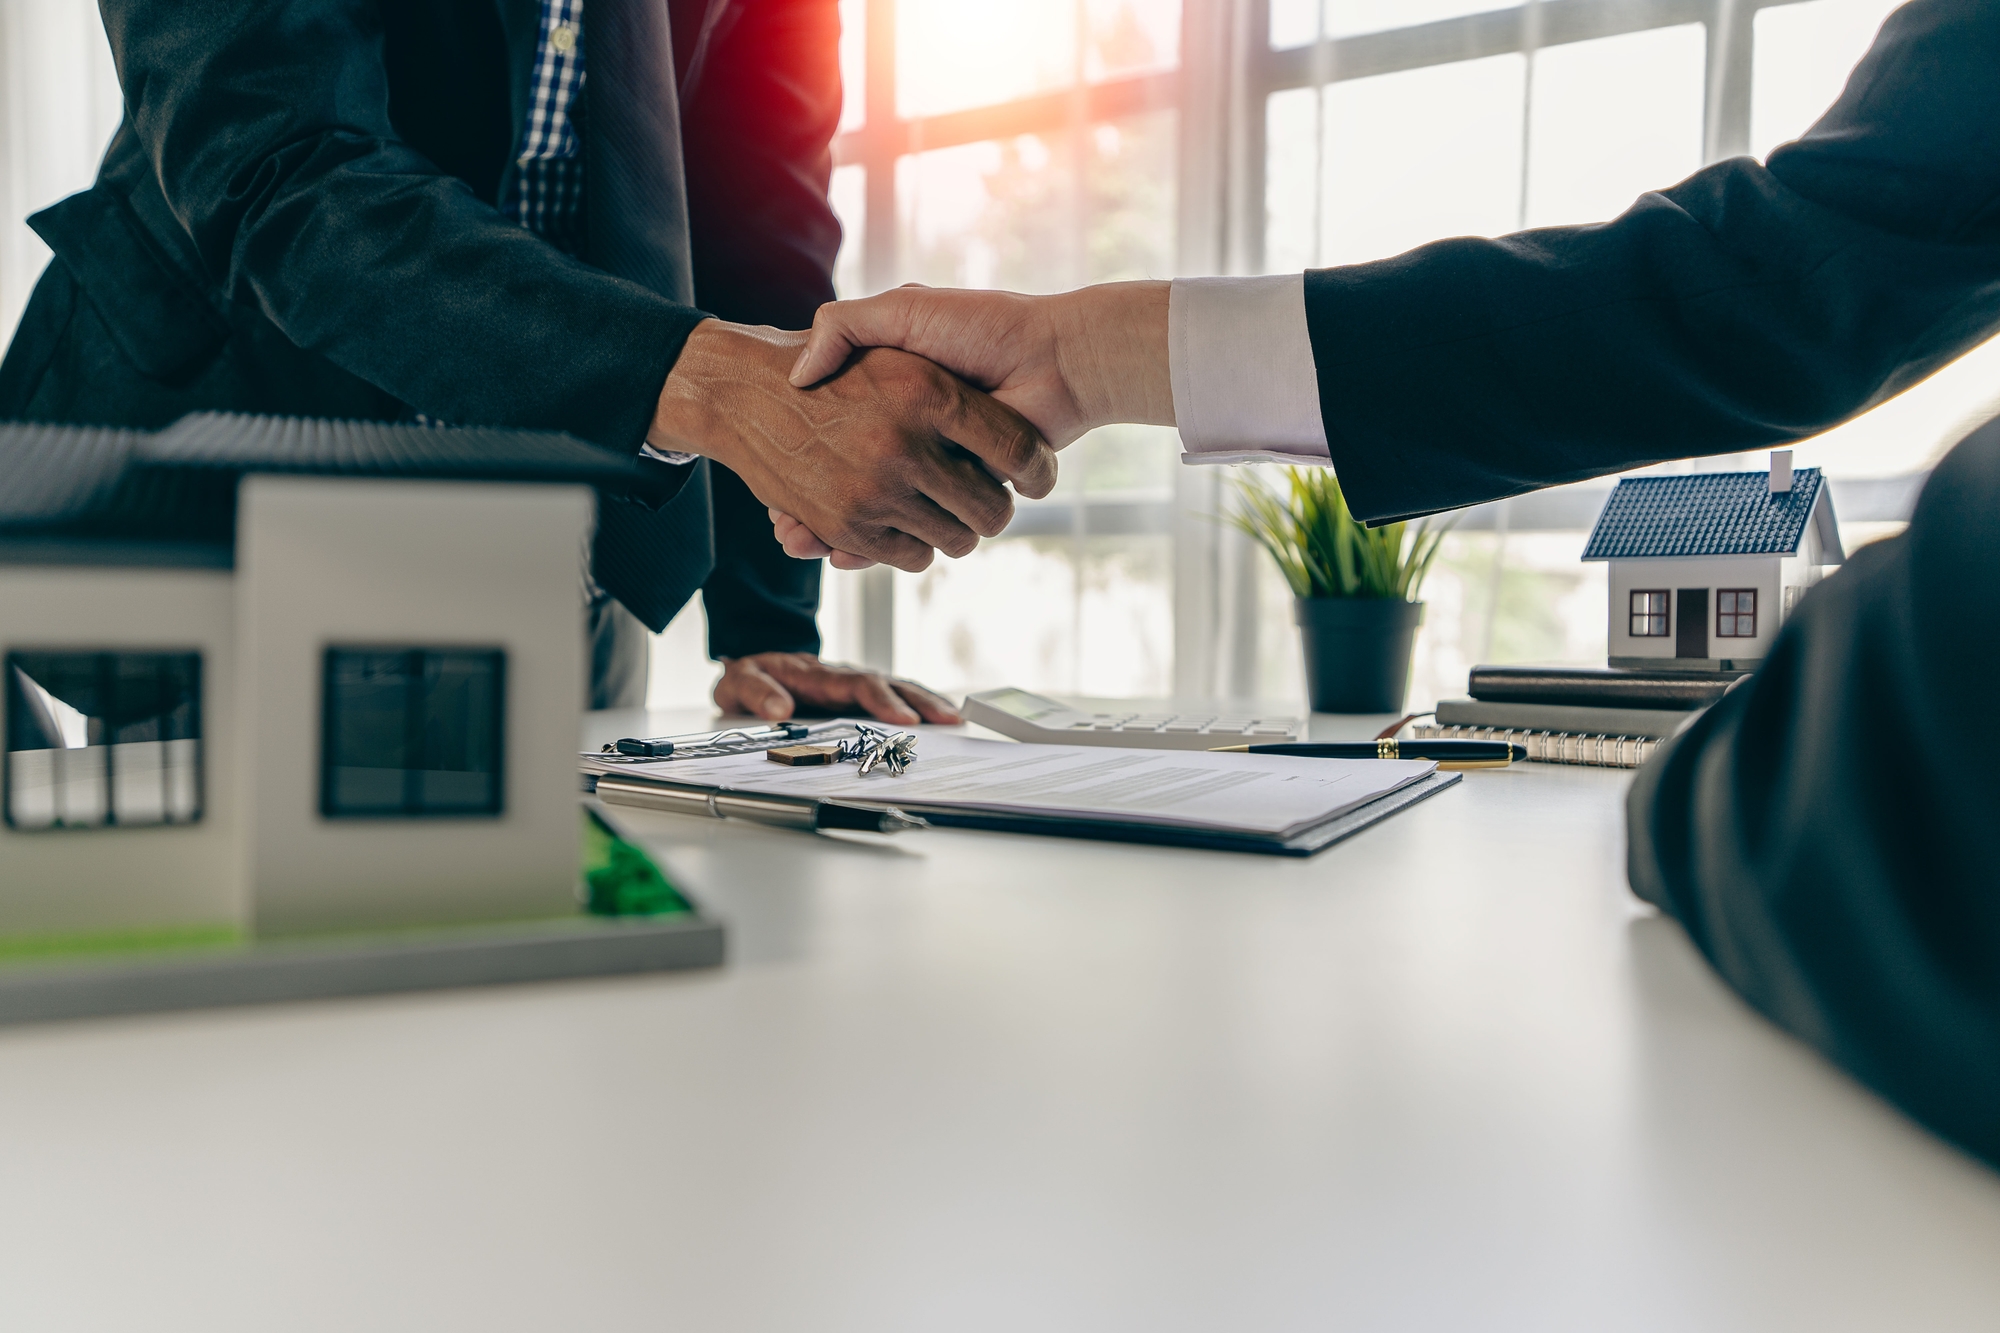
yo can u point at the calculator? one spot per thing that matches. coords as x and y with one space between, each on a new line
1030 717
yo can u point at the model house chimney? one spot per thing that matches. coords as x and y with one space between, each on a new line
1781 472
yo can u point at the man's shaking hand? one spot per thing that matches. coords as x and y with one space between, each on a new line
891 459
1067 364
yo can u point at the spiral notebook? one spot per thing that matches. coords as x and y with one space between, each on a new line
1555 747
1605 718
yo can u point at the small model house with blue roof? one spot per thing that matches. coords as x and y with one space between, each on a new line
269 676
1705 567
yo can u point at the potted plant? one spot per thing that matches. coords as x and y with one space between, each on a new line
1356 587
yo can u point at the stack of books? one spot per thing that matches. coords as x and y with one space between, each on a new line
1609 717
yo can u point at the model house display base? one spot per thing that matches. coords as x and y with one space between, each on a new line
1714 666
85 987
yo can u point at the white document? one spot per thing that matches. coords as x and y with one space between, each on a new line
1274 795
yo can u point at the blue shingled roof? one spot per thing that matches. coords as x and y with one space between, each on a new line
1710 513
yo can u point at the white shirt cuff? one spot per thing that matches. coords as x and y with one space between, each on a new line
1245 387
670 456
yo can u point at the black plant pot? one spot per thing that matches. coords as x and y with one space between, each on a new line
1357 651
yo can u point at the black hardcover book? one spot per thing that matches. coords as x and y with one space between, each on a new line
1601 687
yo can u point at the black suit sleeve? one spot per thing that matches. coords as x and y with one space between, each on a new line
267 123
1747 306
759 600
1827 833
763 102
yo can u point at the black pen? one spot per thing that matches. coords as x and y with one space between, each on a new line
1448 754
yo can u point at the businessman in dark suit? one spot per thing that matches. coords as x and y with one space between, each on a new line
520 213
1827 833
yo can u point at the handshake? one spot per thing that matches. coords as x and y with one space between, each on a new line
892 429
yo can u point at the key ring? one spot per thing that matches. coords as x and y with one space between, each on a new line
877 747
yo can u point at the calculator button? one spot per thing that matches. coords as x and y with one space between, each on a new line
1270 731
1189 727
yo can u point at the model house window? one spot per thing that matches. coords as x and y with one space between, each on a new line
103 739
412 732
1649 614
1735 613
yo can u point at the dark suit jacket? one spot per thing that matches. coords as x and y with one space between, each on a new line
1829 834
299 216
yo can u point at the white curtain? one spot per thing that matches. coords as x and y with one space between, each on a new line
59 104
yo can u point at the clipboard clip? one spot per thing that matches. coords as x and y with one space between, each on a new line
747 738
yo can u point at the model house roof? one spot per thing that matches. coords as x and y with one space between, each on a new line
48 473
1712 514
178 486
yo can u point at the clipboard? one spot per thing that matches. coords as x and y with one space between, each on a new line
1306 843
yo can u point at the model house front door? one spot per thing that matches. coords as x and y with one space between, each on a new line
1691 622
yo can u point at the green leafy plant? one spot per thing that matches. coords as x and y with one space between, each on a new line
1322 549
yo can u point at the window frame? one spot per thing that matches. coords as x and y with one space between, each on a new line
111 667
1736 614
413 805
1227 73
1664 615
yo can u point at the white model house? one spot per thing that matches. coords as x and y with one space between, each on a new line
1705 567
280 675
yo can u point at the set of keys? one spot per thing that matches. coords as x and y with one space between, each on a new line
870 747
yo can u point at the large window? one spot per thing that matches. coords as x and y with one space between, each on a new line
1036 147
1039 144
1052 142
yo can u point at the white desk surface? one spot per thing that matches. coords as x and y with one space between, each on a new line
1445 1076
